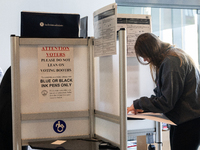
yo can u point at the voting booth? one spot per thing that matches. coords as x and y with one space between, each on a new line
67 112
46 103
70 88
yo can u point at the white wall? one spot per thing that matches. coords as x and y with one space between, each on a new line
10 17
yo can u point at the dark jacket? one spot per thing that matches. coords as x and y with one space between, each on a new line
177 92
5 112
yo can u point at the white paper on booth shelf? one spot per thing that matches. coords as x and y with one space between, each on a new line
105 22
58 142
135 25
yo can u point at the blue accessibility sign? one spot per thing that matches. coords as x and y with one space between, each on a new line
59 126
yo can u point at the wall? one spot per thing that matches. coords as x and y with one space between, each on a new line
10 17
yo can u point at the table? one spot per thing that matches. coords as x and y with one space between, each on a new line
70 144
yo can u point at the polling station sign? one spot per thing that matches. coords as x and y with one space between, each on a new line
56 73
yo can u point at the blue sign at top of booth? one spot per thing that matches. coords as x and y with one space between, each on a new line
59 126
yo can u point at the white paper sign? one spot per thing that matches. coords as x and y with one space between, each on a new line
134 25
105 22
56 73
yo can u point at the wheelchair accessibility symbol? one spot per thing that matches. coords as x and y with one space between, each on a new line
59 126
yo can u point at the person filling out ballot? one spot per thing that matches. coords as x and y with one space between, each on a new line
177 92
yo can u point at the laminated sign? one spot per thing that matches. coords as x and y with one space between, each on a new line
134 25
105 22
56 73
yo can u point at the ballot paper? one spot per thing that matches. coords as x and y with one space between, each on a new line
58 142
159 117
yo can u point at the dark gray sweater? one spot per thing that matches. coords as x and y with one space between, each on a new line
177 92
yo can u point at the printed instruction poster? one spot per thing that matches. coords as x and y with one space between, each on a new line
56 73
105 22
135 25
